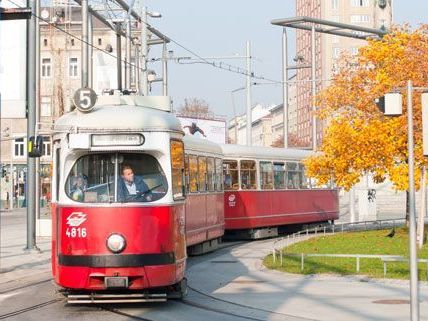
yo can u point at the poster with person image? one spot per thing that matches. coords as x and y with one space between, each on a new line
211 129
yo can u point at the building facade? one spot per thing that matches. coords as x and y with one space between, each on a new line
60 77
329 48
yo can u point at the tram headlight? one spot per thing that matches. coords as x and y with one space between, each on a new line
116 243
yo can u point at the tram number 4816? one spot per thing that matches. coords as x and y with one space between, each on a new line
76 232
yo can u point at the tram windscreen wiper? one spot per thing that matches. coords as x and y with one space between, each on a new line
140 195
149 190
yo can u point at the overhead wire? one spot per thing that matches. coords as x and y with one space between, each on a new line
220 65
75 37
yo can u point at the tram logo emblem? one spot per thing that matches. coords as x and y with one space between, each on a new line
76 218
232 198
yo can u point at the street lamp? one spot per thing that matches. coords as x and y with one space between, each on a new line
144 47
391 105
234 111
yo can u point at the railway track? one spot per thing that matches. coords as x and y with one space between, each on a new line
23 286
30 308
240 305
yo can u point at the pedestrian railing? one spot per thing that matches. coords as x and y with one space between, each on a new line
285 241
384 258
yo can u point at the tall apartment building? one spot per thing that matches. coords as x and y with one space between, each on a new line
365 13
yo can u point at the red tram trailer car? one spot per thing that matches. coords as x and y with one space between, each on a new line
267 192
118 240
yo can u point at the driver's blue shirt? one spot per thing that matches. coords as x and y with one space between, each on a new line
125 190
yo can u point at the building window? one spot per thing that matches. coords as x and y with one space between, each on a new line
336 53
334 4
360 3
19 145
73 65
45 42
100 41
46 67
72 42
47 146
45 106
354 51
360 18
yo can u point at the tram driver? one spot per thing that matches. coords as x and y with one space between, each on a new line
132 187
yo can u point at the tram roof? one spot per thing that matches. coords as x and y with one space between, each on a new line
261 152
118 118
192 143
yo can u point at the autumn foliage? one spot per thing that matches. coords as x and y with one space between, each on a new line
359 139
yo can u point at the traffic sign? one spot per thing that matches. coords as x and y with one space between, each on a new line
84 99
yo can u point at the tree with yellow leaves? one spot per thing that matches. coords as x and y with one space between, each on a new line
359 138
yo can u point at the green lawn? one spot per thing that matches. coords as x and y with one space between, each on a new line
367 242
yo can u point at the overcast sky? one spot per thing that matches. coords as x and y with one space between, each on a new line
221 28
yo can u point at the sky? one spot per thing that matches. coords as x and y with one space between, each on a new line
221 28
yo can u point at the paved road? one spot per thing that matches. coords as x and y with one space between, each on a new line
229 284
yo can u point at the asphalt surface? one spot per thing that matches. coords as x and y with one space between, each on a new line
229 284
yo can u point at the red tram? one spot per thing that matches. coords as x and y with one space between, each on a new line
125 241
131 197
266 192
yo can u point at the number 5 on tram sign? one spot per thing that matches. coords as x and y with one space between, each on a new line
84 99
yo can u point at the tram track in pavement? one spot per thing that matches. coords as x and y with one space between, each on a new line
243 245
240 305
124 314
23 286
30 308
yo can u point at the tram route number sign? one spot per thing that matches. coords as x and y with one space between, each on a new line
84 99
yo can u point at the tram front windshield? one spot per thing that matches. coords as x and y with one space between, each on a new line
116 177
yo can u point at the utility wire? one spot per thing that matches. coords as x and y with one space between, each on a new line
219 65
75 37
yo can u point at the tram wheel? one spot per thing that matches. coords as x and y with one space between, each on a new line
179 290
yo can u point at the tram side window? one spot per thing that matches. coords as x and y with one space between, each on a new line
230 175
186 172
202 171
94 178
248 174
279 175
177 166
210 174
266 175
218 174
305 182
293 175
193 173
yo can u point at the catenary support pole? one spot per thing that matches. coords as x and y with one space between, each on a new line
248 87
144 52
137 67
90 51
423 211
128 55
119 57
31 123
164 70
414 291
37 180
84 49
285 86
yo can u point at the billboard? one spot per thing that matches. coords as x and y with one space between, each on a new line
13 66
212 129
